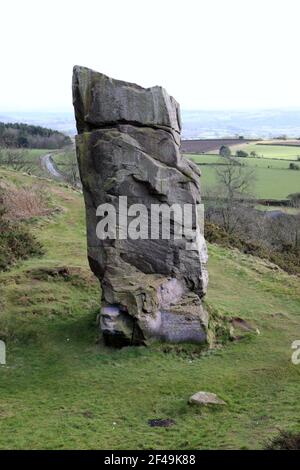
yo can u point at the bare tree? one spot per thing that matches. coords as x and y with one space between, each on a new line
236 179
72 175
283 232
235 183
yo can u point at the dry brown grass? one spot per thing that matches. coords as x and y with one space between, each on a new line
24 203
285 441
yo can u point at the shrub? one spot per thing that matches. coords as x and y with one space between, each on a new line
225 151
241 153
24 203
288 259
295 199
294 166
16 242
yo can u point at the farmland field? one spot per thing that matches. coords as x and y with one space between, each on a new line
274 179
200 146
277 149
269 184
288 152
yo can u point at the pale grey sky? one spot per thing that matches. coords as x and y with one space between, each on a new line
208 54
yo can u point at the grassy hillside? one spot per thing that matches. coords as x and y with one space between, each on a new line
32 161
61 388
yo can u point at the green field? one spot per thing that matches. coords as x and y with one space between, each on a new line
30 154
63 158
285 152
61 388
28 160
66 163
35 154
270 151
269 184
254 162
274 180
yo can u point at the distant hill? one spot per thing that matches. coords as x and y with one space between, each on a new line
196 124
29 136
252 124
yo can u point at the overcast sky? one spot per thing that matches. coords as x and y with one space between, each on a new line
209 54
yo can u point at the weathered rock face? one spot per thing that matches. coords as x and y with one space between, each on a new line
128 145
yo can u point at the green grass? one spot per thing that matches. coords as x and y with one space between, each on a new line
61 389
269 184
270 151
275 164
62 158
66 163
30 154
30 163
274 180
36 153
285 152
29 160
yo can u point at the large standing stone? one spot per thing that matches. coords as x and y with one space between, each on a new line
128 145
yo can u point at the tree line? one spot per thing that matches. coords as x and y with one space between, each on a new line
19 135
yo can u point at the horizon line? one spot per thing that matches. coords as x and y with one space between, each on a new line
185 109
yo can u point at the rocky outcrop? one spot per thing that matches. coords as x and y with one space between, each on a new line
128 153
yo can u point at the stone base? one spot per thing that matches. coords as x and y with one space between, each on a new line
185 322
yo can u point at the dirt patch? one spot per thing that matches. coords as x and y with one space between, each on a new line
161 423
285 441
62 194
243 327
242 324
4 413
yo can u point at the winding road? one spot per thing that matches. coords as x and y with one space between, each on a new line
48 165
